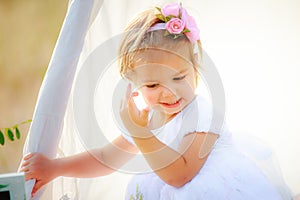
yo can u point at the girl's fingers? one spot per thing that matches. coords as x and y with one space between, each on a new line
28 176
28 156
131 105
24 164
24 169
38 184
144 113
27 159
128 92
134 94
130 110
129 102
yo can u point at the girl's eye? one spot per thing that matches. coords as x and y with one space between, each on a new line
179 78
151 85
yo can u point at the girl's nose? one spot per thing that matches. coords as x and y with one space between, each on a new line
167 93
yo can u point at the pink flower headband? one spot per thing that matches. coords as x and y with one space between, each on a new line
177 22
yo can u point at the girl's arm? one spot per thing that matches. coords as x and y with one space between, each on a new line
96 162
177 168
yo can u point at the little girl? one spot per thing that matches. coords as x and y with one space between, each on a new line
191 155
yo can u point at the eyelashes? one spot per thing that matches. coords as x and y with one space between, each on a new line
154 85
179 78
151 85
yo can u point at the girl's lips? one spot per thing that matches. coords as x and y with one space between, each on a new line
173 105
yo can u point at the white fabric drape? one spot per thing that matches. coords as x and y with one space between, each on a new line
46 127
54 132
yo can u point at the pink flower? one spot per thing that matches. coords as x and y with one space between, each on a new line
191 25
171 9
175 26
179 21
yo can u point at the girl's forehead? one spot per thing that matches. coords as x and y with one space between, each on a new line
152 74
173 59
158 65
153 71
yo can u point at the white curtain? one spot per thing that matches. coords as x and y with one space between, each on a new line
69 93
46 128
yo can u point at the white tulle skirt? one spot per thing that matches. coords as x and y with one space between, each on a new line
245 171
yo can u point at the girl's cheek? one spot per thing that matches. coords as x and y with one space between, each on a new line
149 98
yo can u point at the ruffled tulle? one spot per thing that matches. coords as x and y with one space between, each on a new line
227 174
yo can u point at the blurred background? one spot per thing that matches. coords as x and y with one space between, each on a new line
28 33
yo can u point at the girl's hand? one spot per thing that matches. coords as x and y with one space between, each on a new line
133 119
40 167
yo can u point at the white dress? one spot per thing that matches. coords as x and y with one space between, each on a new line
227 173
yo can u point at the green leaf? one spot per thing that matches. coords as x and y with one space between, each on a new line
186 31
1 138
27 121
9 134
158 8
170 17
18 134
176 36
166 33
161 17
3 186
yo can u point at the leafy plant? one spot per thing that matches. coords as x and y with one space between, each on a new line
11 132
138 195
3 186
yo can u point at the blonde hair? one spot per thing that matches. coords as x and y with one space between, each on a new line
136 37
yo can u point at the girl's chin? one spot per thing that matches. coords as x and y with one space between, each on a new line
172 111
